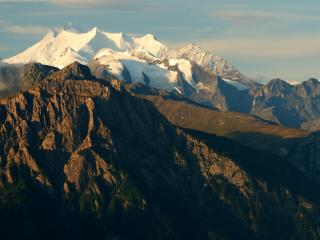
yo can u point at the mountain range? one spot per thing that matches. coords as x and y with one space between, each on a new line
192 72
120 51
117 136
82 157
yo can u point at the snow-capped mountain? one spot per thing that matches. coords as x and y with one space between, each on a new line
62 49
130 68
208 61
133 59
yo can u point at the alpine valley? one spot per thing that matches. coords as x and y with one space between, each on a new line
118 136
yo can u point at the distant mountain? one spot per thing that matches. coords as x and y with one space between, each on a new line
81 158
215 64
60 49
128 58
289 105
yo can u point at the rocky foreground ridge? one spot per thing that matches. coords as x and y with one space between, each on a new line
83 158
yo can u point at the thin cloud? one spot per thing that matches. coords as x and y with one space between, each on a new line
290 58
87 2
24 29
82 3
57 1
258 17
246 17
28 29
271 47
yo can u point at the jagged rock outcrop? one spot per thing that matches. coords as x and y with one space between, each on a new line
16 77
210 62
34 73
75 71
278 101
82 158
289 105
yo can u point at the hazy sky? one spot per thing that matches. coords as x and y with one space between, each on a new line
274 38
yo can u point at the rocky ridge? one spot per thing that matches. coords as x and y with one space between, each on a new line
109 165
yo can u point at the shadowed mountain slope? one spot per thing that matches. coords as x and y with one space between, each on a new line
248 129
82 158
300 147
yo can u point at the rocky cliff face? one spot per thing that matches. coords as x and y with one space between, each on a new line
298 146
290 105
16 77
210 62
82 158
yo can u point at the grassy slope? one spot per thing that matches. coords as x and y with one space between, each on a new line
247 129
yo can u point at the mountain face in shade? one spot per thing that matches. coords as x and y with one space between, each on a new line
34 73
83 158
278 101
16 77
290 105
298 146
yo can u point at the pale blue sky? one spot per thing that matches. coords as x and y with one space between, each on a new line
261 38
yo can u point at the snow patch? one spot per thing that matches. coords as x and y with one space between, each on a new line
160 76
185 67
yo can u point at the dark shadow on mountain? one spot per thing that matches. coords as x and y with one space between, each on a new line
237 101
288 118
269 142
142 89
262 164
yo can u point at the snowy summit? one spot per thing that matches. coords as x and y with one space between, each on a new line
144 58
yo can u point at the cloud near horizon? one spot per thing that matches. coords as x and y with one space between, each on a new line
24 29
270 47
261 17
249 17
82 3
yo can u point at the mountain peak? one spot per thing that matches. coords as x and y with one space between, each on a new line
51 34
75 71
67 26
149 36
94 29
278 85
70 27
191 47
277 81
70 45
311 81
